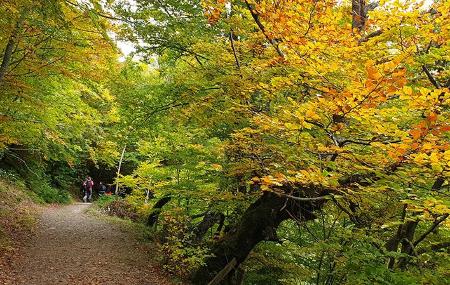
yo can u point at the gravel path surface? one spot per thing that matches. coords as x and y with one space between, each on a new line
72 247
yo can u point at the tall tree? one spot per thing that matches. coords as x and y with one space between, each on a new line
317 103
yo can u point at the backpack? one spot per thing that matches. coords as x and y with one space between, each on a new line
88 184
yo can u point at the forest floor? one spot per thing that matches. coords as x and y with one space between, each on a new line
72 246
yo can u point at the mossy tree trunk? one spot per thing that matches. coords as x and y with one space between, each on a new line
259 222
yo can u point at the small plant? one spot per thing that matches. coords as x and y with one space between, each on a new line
10 176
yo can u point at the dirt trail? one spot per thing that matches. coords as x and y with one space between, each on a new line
72 247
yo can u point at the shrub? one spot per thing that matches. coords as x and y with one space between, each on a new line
121 208
41 190
103 201
17 214
48 194
180 255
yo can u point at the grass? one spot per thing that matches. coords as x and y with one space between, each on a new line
17 214
140 229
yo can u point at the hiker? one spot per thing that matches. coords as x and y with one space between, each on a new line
102 189
108 190
88 184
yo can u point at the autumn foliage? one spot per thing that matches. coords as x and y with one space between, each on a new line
281 142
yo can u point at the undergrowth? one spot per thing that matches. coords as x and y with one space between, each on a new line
17 214
40 189
177 253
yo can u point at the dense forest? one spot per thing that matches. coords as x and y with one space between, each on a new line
259 141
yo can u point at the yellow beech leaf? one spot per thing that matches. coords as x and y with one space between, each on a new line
407 90
217 167
373 73
447 155
311 114
441 209
427 146
434 158
436 167
416 133
420 158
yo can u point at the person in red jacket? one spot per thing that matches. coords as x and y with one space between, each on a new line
88 184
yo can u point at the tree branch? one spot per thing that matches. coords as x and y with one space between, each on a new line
436 223
255 16
10 46
430 77
304 199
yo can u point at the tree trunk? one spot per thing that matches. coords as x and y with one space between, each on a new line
403 236
7 55
220 227
259 222
118 170
407 246
358 14
153 217
209 220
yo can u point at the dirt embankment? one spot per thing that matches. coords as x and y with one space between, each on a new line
17 220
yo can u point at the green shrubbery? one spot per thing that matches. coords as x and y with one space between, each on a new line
122 209
103 201
41 189
132 207
47 193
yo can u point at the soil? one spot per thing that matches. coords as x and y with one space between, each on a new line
74 247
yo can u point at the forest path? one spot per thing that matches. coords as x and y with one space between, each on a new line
73 247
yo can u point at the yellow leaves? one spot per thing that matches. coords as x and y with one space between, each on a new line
312 115
427 146
436 167
416 133
372 71
435 162
291 126
434 158
441 209
407 91
217 167
435 206
421 158
446 156
269 181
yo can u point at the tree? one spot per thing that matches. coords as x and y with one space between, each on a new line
55 64
316 103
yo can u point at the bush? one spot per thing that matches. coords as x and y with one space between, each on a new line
41 191
120 208
48 194
103 201
180 255
12 176
17 214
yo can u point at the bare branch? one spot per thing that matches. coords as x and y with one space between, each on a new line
430 77
304 199
255 16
